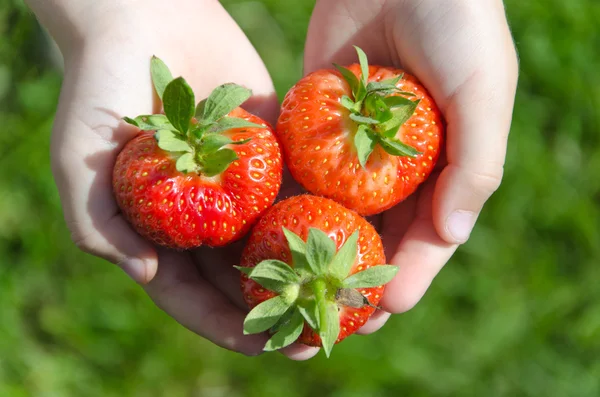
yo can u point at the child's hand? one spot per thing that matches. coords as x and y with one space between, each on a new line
462 51
107 48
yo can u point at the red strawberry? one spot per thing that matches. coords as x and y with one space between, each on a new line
366 143
203 175
312 271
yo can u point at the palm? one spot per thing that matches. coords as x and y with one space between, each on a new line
444 45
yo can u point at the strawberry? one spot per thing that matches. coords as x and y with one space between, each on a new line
197 175
312 271
364 136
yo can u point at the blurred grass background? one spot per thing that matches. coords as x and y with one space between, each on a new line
515 313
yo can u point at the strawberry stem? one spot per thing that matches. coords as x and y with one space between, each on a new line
319 287
328 331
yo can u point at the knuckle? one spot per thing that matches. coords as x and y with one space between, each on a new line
84 240
485 183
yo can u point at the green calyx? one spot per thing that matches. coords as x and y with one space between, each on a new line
194 133
312 291
380 109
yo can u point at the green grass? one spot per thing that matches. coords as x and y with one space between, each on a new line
515 313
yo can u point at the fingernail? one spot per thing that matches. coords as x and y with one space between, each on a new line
459 225
135 268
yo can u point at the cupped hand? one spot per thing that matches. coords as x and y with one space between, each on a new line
463 53
107 47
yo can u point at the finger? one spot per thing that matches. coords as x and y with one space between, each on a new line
265 106
243 66
420 253
479 117
375 322
335 27
474 85
299 352
216 267
394 224
85 141
91 213
197 305
113 239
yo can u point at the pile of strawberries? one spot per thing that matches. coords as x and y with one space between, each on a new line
359 139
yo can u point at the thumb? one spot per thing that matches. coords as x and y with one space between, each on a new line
479 117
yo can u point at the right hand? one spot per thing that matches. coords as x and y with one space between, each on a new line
463 52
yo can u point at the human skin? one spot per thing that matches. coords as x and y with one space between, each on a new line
107 48
461 50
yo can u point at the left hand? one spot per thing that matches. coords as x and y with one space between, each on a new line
463 53
107 47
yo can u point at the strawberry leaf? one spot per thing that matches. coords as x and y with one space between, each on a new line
178 101
274 275
186 164
348 103
213 142
283 320
401 112
229 123
396 101
245 269
320 249
172 142
199 130
223 100
384 85
265 315
298 250
287 333
199 113
216 162
376 108
350 78
397 148
363 119
364 65
310 312
161 75
358 89
364 143
151 122
330 327
372 277
402 109
345 258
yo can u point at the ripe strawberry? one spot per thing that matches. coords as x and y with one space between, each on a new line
204 174
365 136
312 271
